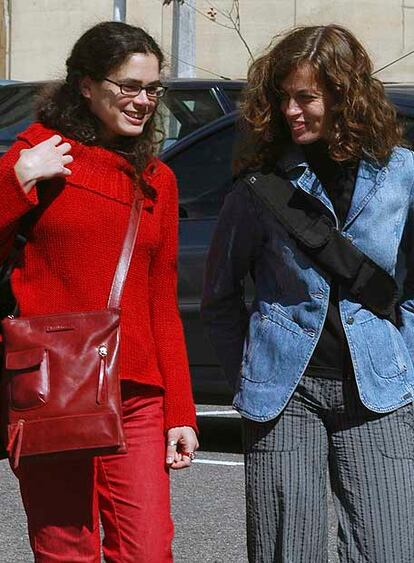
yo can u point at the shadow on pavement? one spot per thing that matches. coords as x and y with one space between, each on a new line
220 434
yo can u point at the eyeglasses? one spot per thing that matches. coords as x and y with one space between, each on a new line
132 90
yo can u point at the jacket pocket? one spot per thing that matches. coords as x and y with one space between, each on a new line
280 317
28 377
257 330
271 339
383 347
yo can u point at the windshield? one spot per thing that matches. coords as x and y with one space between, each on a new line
182 110
16 109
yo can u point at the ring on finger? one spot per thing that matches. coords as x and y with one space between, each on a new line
191 455
172 443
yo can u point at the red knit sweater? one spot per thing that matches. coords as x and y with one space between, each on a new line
73 248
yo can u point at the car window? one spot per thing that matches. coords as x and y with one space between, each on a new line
16 110
408 123
234 96
204 176
184 111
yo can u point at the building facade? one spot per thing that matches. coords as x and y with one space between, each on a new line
36 35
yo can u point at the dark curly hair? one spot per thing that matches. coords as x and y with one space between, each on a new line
364 123
97 52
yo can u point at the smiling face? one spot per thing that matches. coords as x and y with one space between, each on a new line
123 115
306 105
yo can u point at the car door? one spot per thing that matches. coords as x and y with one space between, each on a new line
202 165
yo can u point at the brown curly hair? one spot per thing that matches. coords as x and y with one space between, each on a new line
101 49
364 123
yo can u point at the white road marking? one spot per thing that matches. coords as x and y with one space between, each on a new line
218 462
217 413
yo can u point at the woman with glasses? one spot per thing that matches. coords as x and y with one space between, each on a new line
78 167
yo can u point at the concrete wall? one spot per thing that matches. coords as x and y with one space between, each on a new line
385 27
42 31
3 40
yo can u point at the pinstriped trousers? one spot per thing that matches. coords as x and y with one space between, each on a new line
369 457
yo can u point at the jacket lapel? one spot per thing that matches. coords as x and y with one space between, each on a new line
309 183
293 163
369 180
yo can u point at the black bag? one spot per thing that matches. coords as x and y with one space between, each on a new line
8 304
305 219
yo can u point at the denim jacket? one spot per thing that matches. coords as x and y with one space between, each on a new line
265 352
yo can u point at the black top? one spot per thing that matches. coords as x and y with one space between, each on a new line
338 180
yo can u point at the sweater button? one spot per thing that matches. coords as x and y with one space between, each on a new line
350 321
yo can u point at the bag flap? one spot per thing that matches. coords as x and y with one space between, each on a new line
23 359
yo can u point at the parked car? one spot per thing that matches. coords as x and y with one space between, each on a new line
200 153
202 164
186 106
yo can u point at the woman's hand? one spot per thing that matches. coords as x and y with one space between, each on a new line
46 160
181 444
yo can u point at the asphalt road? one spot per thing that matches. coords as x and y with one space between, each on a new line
208 502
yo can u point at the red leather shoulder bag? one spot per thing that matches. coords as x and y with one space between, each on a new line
60 385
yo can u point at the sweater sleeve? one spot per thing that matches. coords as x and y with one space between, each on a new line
14 202
166 323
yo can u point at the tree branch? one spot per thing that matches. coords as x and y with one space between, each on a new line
232 16
235 22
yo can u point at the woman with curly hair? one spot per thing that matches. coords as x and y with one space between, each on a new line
76 170
323 380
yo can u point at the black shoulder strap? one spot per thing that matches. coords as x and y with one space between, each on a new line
316 234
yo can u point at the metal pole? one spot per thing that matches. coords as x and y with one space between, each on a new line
183 52
7 42
175 39
119 10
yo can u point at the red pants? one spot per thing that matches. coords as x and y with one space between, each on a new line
130 493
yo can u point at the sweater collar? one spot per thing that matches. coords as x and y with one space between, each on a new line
94 168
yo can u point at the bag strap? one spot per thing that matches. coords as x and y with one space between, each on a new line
121 272
302 216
